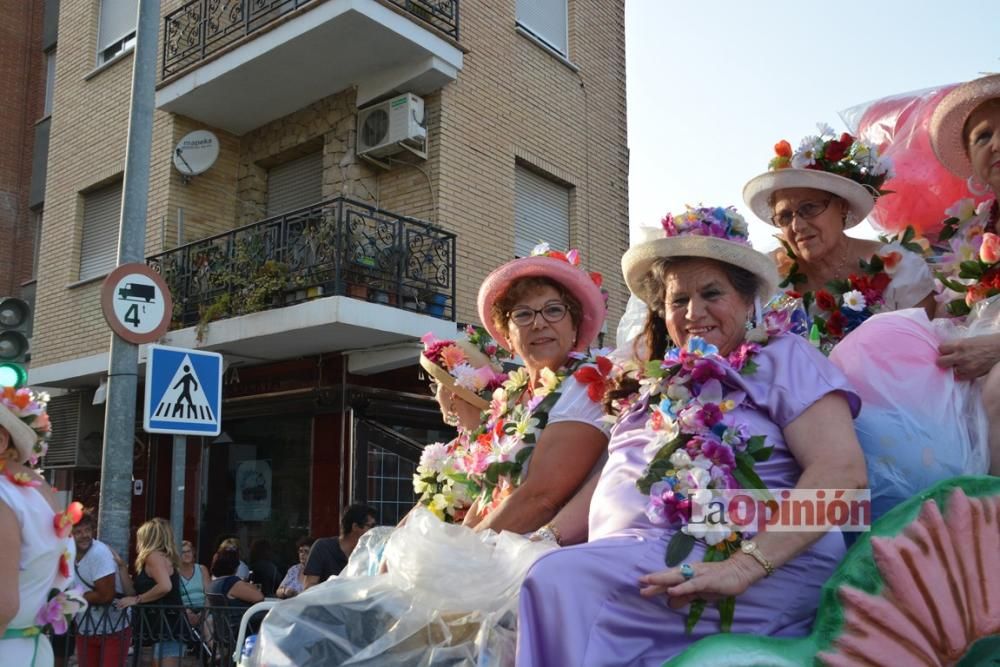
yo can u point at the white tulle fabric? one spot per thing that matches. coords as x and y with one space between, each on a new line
450 597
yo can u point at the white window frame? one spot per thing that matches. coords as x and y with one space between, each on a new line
540 18
118 18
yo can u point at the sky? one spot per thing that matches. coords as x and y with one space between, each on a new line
712 85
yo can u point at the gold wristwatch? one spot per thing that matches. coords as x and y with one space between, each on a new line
750 548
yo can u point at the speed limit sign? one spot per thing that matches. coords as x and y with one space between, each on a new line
136 303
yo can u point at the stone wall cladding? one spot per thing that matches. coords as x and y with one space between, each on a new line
513 102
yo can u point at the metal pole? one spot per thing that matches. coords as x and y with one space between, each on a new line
119 421
177 481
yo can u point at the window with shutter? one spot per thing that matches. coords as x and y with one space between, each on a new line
541 212
547 20
116 28
99 243
295 184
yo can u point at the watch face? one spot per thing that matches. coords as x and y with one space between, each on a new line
747 547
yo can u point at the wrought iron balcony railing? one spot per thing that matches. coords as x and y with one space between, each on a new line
338 246
200 28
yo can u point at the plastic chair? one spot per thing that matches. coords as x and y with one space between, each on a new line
263 605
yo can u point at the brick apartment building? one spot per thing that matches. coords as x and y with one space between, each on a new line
375 159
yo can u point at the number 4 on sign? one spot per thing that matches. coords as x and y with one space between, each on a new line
132 315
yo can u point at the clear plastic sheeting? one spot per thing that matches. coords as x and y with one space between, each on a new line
449 598
918 424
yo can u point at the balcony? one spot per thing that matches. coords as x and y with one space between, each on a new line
238 64
338 275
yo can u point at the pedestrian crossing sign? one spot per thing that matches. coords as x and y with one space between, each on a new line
183 391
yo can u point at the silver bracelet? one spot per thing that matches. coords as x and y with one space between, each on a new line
547 533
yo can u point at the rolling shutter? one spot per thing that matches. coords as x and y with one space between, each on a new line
546 20
99 244
118 21
541 212
295 184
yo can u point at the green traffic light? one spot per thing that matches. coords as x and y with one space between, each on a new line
13 375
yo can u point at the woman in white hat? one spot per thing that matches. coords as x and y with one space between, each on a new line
684 427
36 550
812 195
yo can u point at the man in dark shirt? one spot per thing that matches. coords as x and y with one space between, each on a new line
329 555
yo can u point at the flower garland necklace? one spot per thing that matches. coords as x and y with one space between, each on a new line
967 255
699 449
488 463
840 307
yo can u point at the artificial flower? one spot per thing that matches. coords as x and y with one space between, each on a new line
854 300
596 378
989 250
64 521
452 356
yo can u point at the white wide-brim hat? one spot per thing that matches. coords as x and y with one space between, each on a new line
22 436
638 260
757 192
947 125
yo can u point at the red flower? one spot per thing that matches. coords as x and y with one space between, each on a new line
835 325
825 300
64 565
595 377
834 151
597 278
783 149
792 293
879 282
846 140
64 522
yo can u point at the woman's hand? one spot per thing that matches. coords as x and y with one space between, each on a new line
970 358
711 581
128 601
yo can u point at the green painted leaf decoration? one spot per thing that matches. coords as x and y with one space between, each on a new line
678 548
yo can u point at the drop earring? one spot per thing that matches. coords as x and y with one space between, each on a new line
975 187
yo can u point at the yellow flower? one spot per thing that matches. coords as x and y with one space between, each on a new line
549 381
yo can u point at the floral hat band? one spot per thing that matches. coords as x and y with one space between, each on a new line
470 368
717 233
23 413
844 165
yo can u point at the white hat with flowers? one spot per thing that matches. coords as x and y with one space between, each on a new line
718 233
845 166
23 414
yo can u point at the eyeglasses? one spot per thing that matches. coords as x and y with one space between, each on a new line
553 312
807 211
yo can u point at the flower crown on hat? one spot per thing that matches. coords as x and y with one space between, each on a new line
452 358
31 408
845 156
718 222
571 257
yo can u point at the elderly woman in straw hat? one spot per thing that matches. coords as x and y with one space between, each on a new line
813 195
698 421
35 548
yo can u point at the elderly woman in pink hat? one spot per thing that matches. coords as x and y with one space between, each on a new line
732 405
36 551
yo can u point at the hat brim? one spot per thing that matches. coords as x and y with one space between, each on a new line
947 125
576 281
446 380
757 192
638 260
22 436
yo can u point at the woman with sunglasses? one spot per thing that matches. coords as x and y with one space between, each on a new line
813 195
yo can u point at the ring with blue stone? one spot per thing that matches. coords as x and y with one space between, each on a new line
687 571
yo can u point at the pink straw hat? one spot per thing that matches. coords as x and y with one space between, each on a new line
947 126
563 268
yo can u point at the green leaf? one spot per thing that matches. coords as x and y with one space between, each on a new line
697 608
653 369
523 456
749 368
678 548
875 266
727 610
755 442
763 454
952 284
970 269
745 474
958 308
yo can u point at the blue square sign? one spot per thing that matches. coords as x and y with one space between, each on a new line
183 391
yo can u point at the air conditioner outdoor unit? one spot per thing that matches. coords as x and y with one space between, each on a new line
392 126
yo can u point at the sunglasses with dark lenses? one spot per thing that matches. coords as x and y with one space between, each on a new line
523 316
807 211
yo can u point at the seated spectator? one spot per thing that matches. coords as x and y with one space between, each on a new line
295 578
233 544
263 571
329 555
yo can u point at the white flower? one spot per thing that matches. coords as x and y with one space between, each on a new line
963 209
884 166
467 377
712 533
680 459
825 130
854 300
434 457
802 159
540 249
678 392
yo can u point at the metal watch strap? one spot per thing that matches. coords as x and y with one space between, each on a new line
754 551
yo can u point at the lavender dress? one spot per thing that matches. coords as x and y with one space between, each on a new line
581 605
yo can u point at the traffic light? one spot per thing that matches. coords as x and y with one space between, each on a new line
15 320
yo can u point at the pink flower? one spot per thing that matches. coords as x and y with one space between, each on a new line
52 614
452 357
989 251
667 507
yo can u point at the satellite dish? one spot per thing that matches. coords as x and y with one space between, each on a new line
196 153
